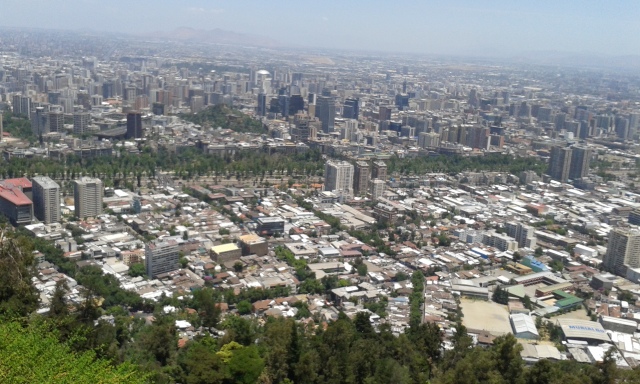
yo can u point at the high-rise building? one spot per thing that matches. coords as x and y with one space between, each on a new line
580 157
162 257
296 104
56 122
326 111
157 109
379 170
351 108
428 140
524 234
622 127
623 251
559 163
87 196
40 121
81 122
304 127
384 112
361 177
634 217
376 188
197 103
134 125
283 103
262 104
46 199
338 177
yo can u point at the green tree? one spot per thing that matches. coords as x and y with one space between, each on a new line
244 307
18 296
137 269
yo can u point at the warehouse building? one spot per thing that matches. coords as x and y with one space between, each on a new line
524 327
583 330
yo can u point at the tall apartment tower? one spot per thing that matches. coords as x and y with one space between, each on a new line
162 257
379 170
580 157
623 250
361 177
326 111
338 177
46 199
559 163
81 122
134 125
87 195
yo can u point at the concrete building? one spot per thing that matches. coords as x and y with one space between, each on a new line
162 257
361 177
46 199
379 170
559 164
81 122
269 225
376 188
134 125
623 251
253 245
326 111
225 252
14 204
87 196
580 158
338 177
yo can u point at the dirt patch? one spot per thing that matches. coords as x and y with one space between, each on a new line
486 315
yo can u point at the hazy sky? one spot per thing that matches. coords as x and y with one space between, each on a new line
491 27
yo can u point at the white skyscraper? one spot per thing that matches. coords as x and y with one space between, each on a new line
87 196
623 251
338 177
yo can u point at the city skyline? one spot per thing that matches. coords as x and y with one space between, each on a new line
457 28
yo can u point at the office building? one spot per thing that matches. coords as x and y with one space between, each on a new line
14 203
87 195
338 177
580 158
634 217
559 164
361 177
269 225
134 125
384 112
81 122
379 170
326 111
262 105
162 256
623 251
157 109
40 121
46 199
21 105
351 108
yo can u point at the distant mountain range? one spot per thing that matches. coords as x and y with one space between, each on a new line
215 36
